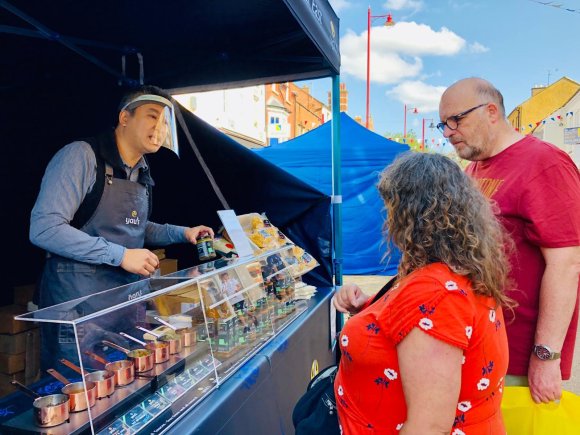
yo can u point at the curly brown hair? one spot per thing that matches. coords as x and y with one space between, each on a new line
436 213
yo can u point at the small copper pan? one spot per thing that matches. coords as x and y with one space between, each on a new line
160 350
188 335
76 392
50 410
124 369
103 379
171 338
143 359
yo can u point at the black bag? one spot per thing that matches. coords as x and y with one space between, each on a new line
315 412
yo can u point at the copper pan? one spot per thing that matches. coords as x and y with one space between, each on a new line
143 359
160 350
171 338
76 391
188 335
103 379
124 370
50 410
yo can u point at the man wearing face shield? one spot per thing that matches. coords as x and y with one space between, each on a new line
94 229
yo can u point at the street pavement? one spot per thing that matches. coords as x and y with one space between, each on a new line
371 284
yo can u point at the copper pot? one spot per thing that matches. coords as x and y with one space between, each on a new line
103 379
188 335
143 359
124 370
76 392
48 411
171 338
160 350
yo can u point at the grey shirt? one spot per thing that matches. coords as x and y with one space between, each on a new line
69 176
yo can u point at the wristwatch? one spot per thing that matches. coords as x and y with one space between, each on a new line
544 353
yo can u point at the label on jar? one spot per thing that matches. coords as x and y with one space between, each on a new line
205 248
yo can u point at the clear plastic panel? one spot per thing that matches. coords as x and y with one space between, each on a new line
168 340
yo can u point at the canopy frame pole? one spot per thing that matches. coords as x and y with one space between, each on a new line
336 182
54 36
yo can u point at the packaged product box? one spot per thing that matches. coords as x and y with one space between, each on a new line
24 294
8 325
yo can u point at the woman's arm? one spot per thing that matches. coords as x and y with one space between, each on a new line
431 377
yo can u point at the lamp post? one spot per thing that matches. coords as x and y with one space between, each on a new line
431 126
415 111
388 22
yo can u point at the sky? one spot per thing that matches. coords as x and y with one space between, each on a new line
515 44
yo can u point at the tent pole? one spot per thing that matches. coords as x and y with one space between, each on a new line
336 182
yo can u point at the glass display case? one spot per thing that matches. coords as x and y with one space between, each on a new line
142 354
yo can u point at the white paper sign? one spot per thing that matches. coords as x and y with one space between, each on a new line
236 232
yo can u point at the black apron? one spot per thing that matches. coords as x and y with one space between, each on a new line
121 218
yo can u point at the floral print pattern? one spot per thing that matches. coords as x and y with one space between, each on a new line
438 303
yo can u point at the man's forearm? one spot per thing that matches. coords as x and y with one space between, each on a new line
558 294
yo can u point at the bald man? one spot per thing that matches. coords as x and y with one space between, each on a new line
537 189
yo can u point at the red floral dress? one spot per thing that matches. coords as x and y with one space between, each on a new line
368 387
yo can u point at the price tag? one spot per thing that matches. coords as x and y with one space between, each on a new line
117 428
155 404
137 418
171 391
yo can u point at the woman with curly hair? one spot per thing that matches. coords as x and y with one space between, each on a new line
430 356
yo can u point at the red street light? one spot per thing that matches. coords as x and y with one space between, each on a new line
388 22
414 110
431 126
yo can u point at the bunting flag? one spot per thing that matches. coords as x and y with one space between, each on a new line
557 118
557 5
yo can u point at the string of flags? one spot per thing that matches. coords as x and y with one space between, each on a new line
557 118
557 5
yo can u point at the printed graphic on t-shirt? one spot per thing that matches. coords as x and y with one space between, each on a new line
489 186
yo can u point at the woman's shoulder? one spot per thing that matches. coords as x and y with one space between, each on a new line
441 278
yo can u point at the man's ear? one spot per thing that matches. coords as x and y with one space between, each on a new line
494 112
123 118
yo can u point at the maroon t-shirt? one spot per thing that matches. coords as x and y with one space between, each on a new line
537 189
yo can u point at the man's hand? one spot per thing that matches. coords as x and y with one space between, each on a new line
349 299
140 261
545 379
193 233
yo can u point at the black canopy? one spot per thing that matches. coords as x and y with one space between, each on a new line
65 63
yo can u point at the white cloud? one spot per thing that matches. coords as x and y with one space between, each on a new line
477 48
397 5
396 50
340 5
418 94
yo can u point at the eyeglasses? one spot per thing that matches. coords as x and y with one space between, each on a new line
453 121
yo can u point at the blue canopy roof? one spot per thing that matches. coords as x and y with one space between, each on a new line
364 155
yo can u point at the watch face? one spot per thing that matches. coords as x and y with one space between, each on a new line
543 353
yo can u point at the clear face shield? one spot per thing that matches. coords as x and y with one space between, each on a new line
165 132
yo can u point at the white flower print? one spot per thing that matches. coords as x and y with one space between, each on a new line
340 390
500 381
492 316
400 426
501 389
451 285
391 374
483 384
468 331
340 428
464 406
426 323
458 432
344 340
463 361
